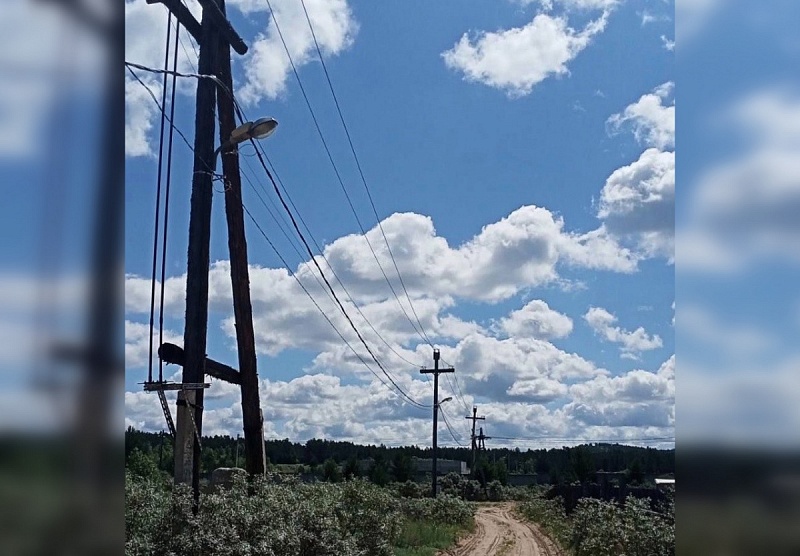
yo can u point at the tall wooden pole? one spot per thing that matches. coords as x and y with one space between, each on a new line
255 457
435 371
190 402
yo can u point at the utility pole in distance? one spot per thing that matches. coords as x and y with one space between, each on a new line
473 447
482 440
436 371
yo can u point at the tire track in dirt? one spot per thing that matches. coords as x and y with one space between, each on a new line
498 532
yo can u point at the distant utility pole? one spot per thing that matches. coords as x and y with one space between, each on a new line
473 447
482 440
436 371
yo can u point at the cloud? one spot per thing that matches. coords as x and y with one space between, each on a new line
515 60
508 363
574 5
653 122
138 341
536 320
525 387
638 202
692 15
638 398
742 209
698 324
145 36
632 343
266 66
522 250
669 45
45 58
140 111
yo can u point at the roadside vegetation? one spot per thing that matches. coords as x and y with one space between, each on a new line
600 528
287 518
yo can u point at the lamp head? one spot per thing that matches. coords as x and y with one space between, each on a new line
262 127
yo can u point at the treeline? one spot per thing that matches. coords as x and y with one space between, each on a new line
558 464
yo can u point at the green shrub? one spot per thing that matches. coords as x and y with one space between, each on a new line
279 519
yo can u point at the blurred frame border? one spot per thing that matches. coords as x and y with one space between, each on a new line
737 312
62 156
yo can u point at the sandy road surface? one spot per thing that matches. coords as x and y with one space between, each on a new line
498 532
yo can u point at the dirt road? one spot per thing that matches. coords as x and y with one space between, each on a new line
498 532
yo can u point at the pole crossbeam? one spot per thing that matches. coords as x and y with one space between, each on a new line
436 371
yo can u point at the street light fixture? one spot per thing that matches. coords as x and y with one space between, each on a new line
259 129
447 399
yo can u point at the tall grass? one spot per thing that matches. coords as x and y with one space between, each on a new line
423 538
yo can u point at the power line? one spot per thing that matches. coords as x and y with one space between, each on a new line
158 105
358 355
257 149
325 279
166 203
129 66
338 175
360 170
450 429
158 203
330 266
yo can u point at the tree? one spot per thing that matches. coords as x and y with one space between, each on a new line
143 465
581 463
379 474
331 472
500 471
402 467
635 473
350 469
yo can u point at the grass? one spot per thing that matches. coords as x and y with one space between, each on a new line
420 538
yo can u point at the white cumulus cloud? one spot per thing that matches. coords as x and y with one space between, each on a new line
652 121
631 342
515 60
267 67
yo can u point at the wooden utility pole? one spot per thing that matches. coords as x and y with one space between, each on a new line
255 457
482 440
473 446
190 401
436 371
212 30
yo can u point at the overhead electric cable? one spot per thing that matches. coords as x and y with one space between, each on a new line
217 176
242 117
158 203
166 204
327 283
360 170
338 175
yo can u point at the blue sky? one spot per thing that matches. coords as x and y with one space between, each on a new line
529 207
